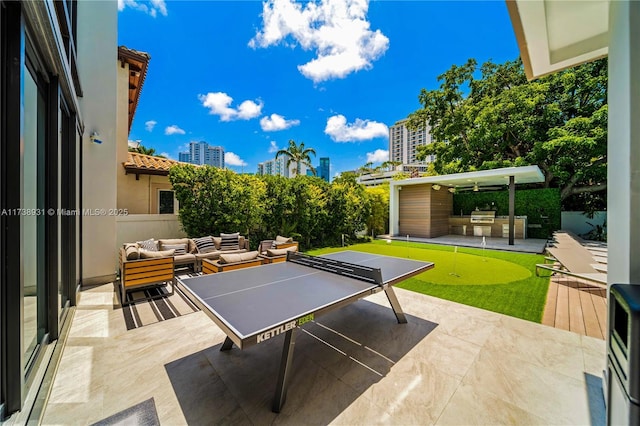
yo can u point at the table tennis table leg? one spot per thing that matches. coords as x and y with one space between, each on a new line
227 345
285 367
395 304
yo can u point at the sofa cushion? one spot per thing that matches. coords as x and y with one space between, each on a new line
230 241
230 258
152 254
181 259
241 241
238 257
179 248
280 239
148 245
212 255
191 246
131 250
204 244
280 252
250 255
217 241
277 244
233 251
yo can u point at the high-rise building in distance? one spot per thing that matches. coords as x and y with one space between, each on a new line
403 144
278 166
203 153
324 169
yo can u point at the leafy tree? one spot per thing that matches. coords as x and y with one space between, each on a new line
378 220
299 155
349 178
146 151
307 208
214 200
498 119
349 207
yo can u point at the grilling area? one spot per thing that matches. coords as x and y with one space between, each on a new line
422 208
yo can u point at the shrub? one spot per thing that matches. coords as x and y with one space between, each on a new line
541 206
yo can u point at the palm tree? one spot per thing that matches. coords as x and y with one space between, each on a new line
390 165
146 151
299 155
367 169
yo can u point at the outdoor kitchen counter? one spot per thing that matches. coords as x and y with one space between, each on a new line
458 224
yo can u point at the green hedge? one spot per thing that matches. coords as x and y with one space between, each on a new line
316 213
541 206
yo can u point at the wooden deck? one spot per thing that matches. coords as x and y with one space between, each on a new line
575 305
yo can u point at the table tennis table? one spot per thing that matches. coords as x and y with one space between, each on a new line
253 305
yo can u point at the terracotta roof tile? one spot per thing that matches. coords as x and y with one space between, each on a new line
146 164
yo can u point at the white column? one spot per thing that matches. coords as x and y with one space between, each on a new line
394 201
624 144
97 66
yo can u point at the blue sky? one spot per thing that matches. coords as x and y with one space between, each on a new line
250 75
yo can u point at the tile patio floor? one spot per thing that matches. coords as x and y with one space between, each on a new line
451 364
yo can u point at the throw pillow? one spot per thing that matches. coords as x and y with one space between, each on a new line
250 255
148 245
230 241
280 252
179 248
191 246
131 251
205 244
217 241
230 258
277 244
152 254
280 239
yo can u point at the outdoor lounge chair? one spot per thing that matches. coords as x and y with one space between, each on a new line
278 243
571 258
141 273
278 255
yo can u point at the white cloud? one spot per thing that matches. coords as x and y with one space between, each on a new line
149 125
152 7
173 130
219 104
167 155
360 130
231 159
337 30
378 156
273 147
276 122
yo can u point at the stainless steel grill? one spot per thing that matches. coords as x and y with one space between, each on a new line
483 216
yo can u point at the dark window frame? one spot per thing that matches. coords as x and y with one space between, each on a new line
11 59
173 201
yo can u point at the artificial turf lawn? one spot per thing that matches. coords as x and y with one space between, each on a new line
498 281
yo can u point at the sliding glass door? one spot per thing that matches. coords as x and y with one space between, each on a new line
32 218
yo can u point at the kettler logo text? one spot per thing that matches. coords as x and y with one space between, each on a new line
276 331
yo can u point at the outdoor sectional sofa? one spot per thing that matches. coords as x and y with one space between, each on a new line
189 252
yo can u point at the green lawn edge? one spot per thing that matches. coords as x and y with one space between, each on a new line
523 299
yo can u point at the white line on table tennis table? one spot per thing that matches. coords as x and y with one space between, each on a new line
342 352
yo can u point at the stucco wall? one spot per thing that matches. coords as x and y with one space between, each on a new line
141 196
144 226
97 53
